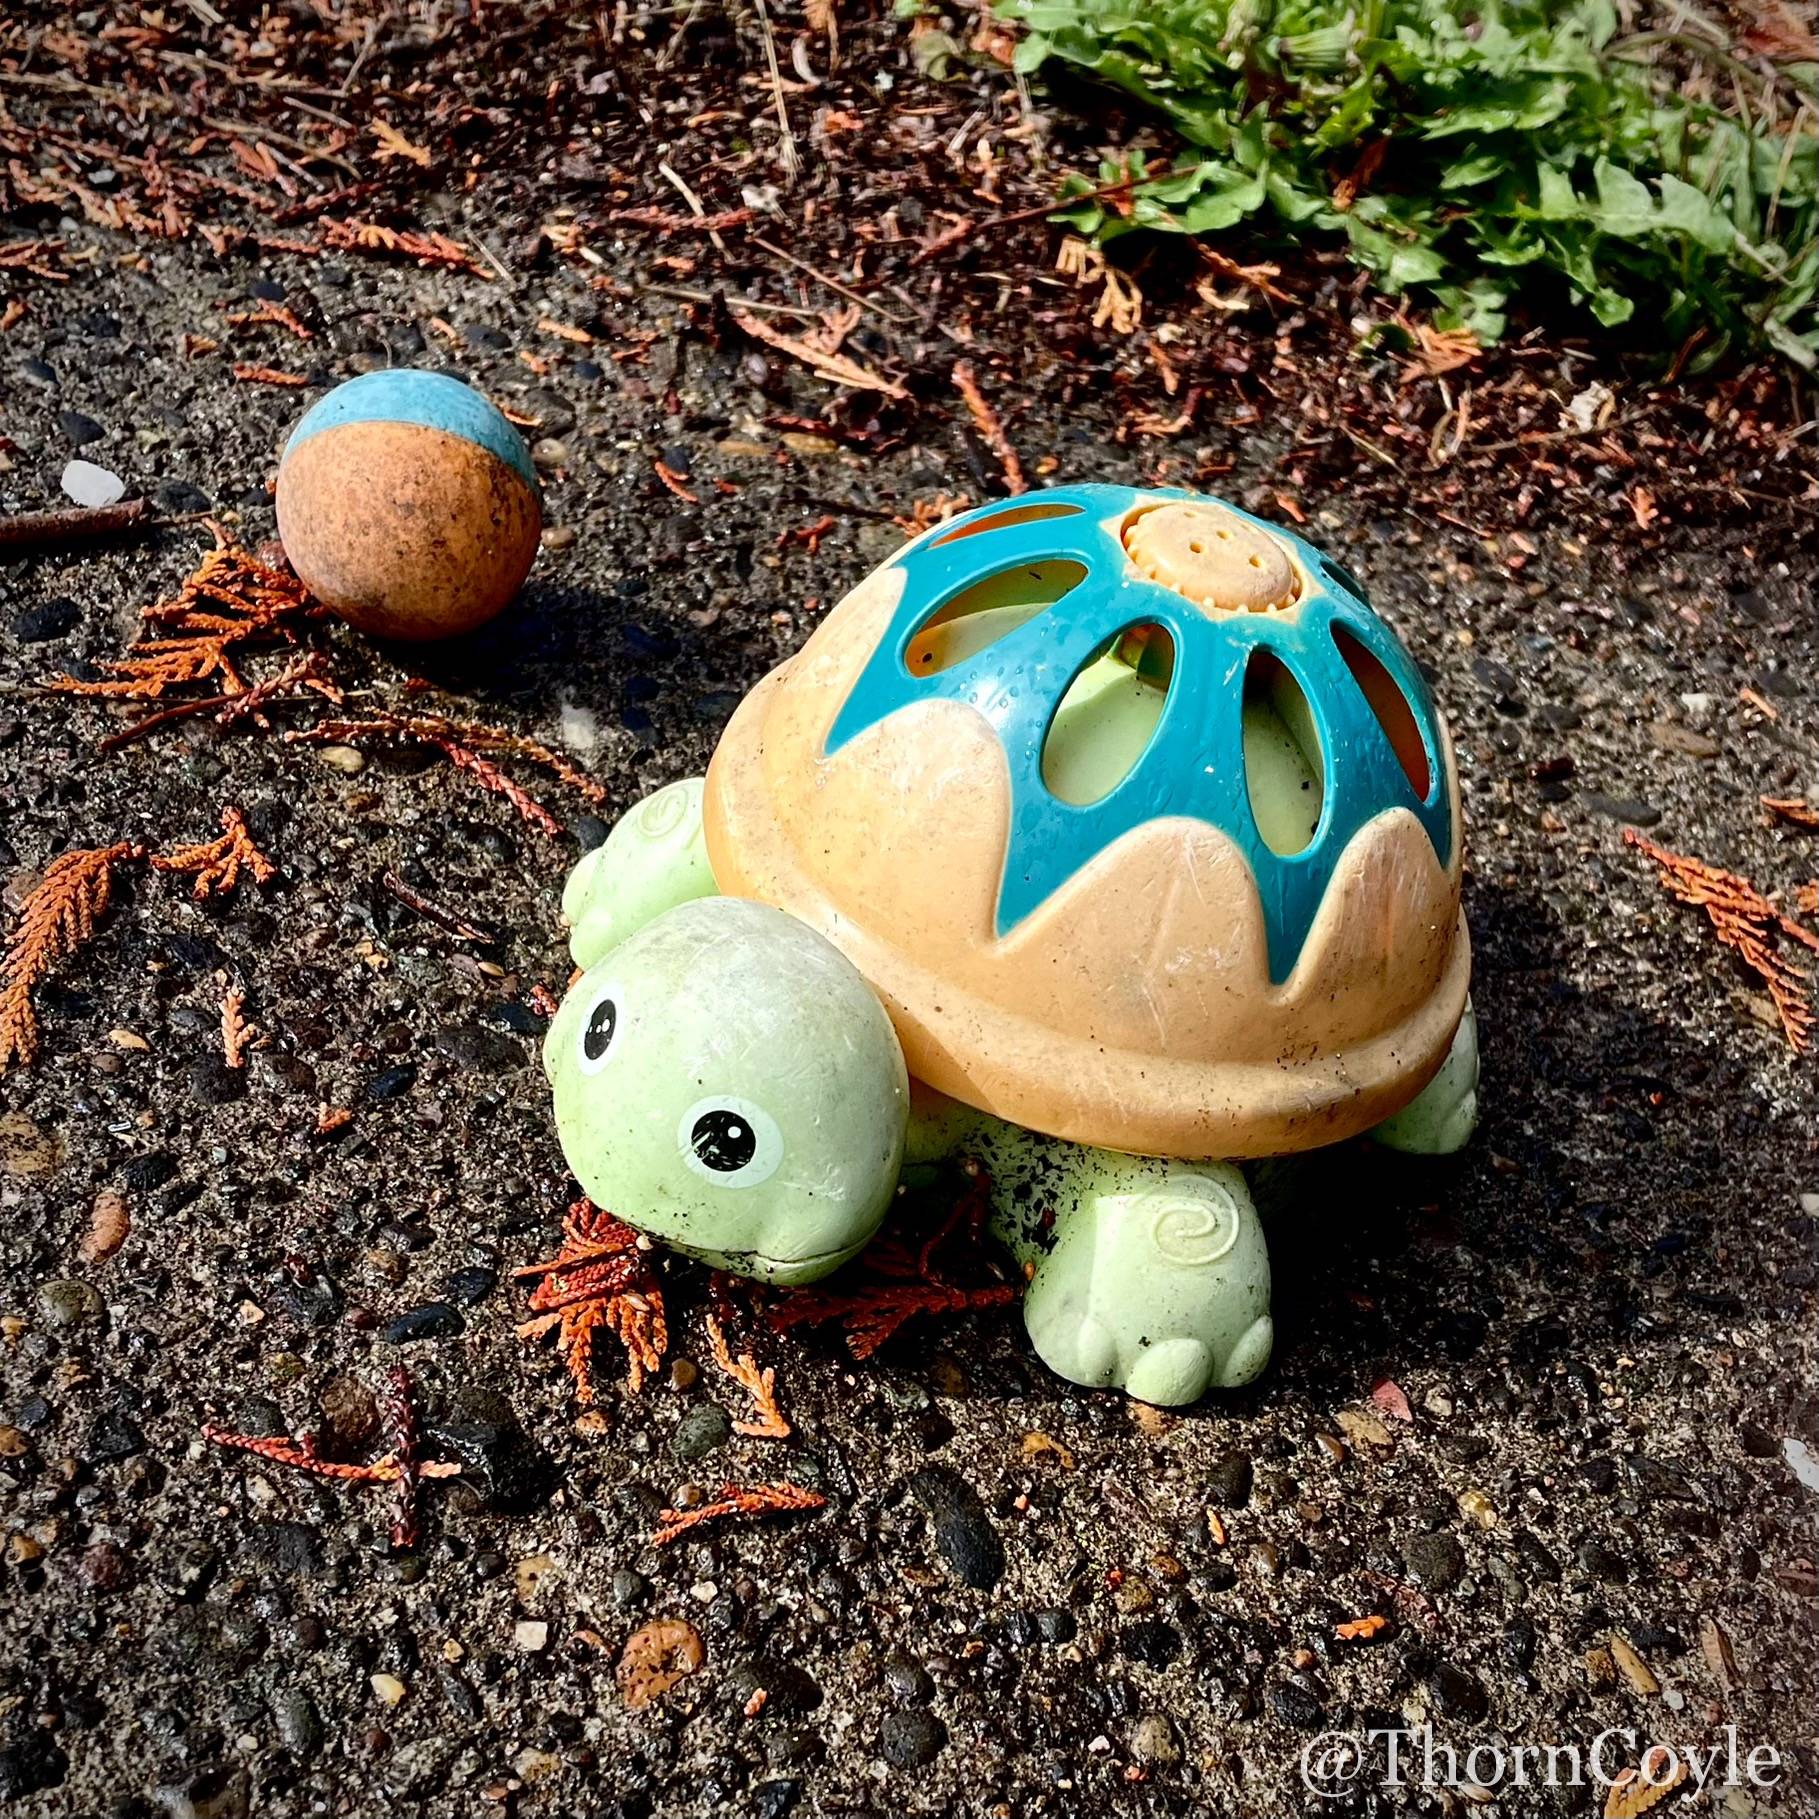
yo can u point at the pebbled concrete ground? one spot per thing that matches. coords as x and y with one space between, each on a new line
1600 1317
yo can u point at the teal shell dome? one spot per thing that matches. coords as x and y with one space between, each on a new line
1366 714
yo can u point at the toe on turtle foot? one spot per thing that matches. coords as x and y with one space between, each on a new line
1075 1344
1175 1372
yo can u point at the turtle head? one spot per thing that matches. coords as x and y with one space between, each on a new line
727 1082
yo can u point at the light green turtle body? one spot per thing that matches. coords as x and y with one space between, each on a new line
726 1081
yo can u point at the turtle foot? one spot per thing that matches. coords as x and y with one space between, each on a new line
1441 1119
1158 1282
654 859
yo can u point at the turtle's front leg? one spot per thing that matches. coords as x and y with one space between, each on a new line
1149 1274
1158 1280
653 859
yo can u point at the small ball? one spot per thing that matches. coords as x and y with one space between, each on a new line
408 504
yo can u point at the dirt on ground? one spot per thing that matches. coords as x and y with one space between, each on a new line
1545 1410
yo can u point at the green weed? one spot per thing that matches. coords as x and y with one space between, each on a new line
1469 153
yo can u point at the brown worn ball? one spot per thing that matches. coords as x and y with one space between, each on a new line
408 504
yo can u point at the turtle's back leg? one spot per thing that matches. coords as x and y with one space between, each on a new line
654 859
1442 1116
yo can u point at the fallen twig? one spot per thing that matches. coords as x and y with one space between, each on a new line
990 425
400 1467
432 730
306 672
837 369
58 918
737 1500
74 524
250 374
1747 923
900 1283
1796 811
426 249
965 230
445 919
599 1281
216 864
231 599
237 1035
760 1385
667 221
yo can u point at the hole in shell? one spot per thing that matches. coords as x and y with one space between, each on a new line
1108 716
1390 705
988 610
1003 521
1284 767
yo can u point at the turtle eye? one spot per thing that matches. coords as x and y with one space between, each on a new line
730 1141
599 1029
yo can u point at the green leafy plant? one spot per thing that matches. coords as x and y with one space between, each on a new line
1465 151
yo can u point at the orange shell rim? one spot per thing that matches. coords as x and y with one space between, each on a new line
1227 1111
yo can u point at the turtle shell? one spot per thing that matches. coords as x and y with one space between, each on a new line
1140 821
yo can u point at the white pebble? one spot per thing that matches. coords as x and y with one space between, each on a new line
1802 1458
579 729
88 484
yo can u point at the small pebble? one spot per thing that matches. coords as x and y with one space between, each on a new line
1602 1563
298 1722
1478 1509
48 620
963 1531
911 1739
1132 1596
701 1431
907 1681
1152 1642
108 1224
470 1286
67 1303
433 1320
387 1264
114 1436
1457 1694
1435 1562
389 1688
213 1082
1296 1706
1230 1481
1153 1741
87 484
530 1636
392 1083
1629 809
105 1566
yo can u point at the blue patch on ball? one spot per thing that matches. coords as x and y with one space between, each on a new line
434 400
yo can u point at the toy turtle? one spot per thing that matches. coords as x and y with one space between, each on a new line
1107 837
